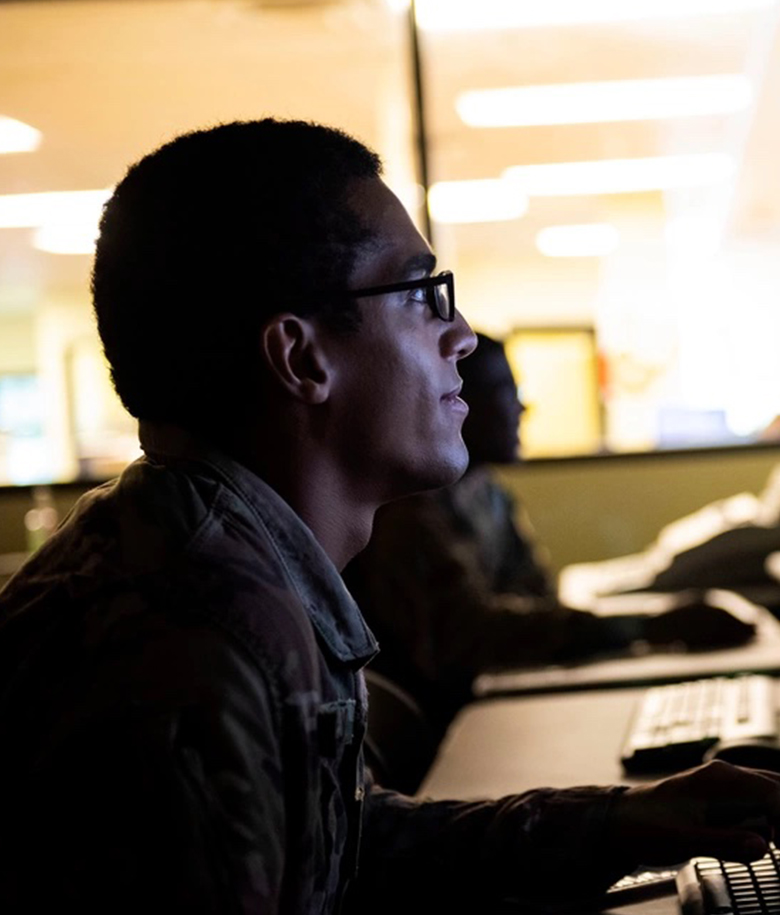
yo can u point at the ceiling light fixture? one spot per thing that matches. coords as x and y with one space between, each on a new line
596 239
598 102
481 200
451 15
621 176
66 238
16 136
66 221
20 211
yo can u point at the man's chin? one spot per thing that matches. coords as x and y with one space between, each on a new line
449 471
435 475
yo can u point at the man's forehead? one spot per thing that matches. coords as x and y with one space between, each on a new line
394 249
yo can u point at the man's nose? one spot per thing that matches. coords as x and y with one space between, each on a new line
461 339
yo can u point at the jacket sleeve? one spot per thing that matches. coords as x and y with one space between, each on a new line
158 803
545 848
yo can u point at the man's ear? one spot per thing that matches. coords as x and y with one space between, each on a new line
294 357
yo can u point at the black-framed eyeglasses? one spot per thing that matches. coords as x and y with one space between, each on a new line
439 292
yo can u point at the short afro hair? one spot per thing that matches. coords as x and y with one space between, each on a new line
205 239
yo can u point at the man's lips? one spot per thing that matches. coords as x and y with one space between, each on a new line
453 399
454 393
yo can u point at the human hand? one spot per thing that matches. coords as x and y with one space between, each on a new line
717 809
698 624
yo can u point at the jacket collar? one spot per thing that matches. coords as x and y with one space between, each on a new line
313 577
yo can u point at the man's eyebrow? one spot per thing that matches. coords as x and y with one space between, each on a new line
420 263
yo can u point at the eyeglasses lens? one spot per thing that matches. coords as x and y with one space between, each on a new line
440 301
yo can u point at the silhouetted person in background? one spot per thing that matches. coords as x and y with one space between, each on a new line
453 585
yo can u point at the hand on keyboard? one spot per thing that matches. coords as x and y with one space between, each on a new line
698 624
718 810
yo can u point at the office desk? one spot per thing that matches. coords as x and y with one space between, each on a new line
505 746
760 655
508 745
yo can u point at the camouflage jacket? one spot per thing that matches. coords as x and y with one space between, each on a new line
453 584
181 715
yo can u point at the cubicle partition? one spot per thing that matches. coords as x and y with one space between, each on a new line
583 509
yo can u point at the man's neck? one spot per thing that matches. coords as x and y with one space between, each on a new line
311 484
341 527
319 494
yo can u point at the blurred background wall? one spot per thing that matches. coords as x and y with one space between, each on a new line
601 175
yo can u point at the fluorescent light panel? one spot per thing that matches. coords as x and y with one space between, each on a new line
482 200
20 211
595 239
16 136
66 238
506 198
66 222
451 15
621 176
615 100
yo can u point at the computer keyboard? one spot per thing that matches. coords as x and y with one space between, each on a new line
675 724
706 886
642 884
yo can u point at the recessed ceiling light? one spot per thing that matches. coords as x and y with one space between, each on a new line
482 200
66 221
19 211
621 176
16 136
614 100
66 238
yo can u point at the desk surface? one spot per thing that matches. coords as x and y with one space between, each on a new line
760 655
505 746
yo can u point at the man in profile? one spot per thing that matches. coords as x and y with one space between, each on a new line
181 698
453 582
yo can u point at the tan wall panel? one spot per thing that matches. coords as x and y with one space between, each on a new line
590 509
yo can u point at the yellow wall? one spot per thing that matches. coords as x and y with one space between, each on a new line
17 343
597 508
